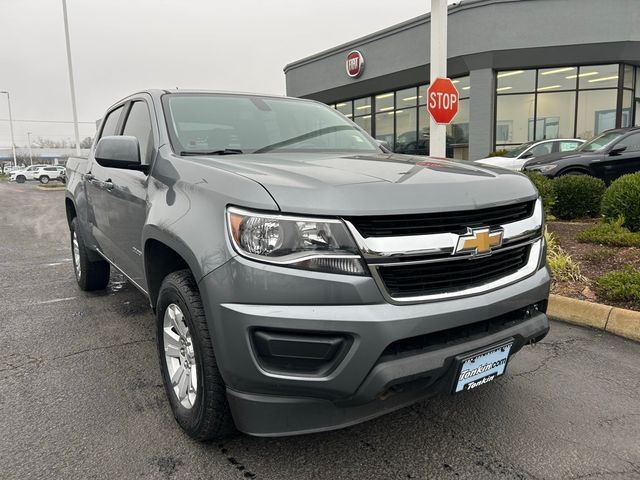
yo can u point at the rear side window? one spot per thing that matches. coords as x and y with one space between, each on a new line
111 123
139 125
541 149
567 146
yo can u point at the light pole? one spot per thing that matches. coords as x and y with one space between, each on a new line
30 151
438 67
71 84
13 144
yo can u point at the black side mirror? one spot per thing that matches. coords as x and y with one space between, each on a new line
617 150
119 152
527 155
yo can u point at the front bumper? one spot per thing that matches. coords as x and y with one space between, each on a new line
366 381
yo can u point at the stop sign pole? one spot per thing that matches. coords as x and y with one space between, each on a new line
437 132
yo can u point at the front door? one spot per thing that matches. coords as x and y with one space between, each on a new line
126 196
96 193
627 161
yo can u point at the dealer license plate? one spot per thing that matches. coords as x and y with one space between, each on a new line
480 368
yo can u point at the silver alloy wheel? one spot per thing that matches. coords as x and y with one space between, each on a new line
180 356
76 255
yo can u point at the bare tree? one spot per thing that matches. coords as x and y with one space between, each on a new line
86 142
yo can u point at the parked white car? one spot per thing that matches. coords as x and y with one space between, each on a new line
24 174
48 173
516 158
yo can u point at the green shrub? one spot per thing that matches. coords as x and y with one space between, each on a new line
546 188
612 234
562 266
499 153
622 199
577 196
621 286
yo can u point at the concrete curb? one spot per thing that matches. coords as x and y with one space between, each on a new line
621 322
50 189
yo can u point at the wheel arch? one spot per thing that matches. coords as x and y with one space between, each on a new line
70 209
574 168
164 254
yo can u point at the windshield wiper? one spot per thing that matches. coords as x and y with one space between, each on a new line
301 138
226 151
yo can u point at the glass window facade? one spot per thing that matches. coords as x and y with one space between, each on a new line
400 118
563 102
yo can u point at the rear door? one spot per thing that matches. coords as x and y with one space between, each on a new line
126 194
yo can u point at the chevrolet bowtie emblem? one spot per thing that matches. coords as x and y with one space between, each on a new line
479 241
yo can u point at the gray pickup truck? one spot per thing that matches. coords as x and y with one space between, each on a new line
303 277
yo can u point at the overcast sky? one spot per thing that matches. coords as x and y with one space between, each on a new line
122 46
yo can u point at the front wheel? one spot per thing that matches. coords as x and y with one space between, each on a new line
44 179
20 179
90 275
192 380
573 172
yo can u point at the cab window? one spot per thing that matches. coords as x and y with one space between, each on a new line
111 123
138 125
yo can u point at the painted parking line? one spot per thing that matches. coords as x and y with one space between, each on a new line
55 300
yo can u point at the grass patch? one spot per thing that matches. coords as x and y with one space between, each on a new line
563 267
612 234
623 286
601 255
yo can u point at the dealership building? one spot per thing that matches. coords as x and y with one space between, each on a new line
525 70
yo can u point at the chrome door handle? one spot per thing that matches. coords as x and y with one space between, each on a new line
108 184
89 177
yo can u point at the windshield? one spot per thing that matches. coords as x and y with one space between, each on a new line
226 124
518 150
599 142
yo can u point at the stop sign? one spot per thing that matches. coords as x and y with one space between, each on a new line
443 99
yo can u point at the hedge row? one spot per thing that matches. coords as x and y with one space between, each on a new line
581 196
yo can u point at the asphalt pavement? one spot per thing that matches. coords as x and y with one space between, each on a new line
81 394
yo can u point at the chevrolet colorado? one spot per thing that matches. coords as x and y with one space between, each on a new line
303 277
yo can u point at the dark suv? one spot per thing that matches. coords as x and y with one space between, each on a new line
608 156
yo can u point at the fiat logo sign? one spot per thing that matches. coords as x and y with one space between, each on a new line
355 63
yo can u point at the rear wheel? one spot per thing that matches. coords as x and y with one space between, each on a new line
20 179
90 275
192 380
44 179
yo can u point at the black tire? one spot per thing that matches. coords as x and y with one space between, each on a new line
20 179
573 172
44 179
209 418
90 275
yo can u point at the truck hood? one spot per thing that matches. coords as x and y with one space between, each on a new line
334 184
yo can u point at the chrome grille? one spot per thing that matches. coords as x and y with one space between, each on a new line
446 222
415 268
452 276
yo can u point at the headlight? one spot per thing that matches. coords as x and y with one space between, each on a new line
542 168
323 245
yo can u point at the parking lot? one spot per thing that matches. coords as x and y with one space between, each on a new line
81 393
